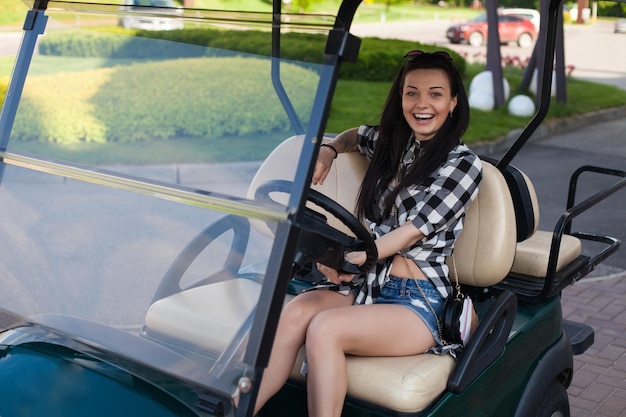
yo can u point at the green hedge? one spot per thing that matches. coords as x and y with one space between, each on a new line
378 59
144 101
4 85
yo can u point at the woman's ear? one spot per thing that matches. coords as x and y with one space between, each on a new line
453 103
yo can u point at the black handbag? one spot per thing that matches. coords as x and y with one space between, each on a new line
458 318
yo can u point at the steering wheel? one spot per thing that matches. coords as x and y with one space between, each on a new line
319 241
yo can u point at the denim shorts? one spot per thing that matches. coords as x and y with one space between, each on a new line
404 291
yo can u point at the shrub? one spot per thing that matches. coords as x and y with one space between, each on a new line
144 101
378 59
4 85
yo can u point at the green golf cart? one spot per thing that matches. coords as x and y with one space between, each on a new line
156 214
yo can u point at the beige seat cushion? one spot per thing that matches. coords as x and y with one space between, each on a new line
220 308
531 256
403 383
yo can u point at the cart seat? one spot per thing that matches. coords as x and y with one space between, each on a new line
532 254
533 250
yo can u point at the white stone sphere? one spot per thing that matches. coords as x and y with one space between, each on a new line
484 81
521 106
533 83
481 100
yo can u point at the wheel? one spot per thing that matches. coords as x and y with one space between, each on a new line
475 39
525 40
320 242
555 403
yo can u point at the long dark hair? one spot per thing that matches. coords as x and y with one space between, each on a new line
394 134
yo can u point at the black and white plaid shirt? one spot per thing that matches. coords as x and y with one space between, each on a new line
436 208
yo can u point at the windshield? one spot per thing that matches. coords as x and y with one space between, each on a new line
126 175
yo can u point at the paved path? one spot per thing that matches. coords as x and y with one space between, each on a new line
599 385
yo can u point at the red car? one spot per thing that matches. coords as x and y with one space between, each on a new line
511 28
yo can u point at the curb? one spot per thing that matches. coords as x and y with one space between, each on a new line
550 128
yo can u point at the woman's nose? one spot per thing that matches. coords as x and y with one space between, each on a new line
420 102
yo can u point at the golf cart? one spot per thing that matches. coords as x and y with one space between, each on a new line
136 283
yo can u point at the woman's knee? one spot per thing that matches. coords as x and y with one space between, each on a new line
297 314
323 331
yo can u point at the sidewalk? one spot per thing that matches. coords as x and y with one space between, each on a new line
599 385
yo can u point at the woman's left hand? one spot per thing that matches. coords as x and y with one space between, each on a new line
357 258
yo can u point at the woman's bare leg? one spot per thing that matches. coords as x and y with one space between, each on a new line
364 330
290 336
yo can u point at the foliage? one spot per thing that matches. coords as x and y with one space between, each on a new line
378 59
4 84
142 101
12 12
611 8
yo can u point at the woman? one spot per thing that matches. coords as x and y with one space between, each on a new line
420 181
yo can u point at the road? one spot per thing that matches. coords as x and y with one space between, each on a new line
590 61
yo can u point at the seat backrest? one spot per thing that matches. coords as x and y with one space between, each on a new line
485 249
525 202
342 183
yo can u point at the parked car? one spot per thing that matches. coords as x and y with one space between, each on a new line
511 29
530 14
620 26
150 18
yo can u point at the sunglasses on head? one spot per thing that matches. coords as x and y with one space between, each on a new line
413 54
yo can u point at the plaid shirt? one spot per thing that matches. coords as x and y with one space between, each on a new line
436 208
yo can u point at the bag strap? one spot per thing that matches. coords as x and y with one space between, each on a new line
417 284
457 285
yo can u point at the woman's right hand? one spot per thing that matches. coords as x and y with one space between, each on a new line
333 275
325 159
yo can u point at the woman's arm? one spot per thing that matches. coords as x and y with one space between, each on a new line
346 141
387 245
390 243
